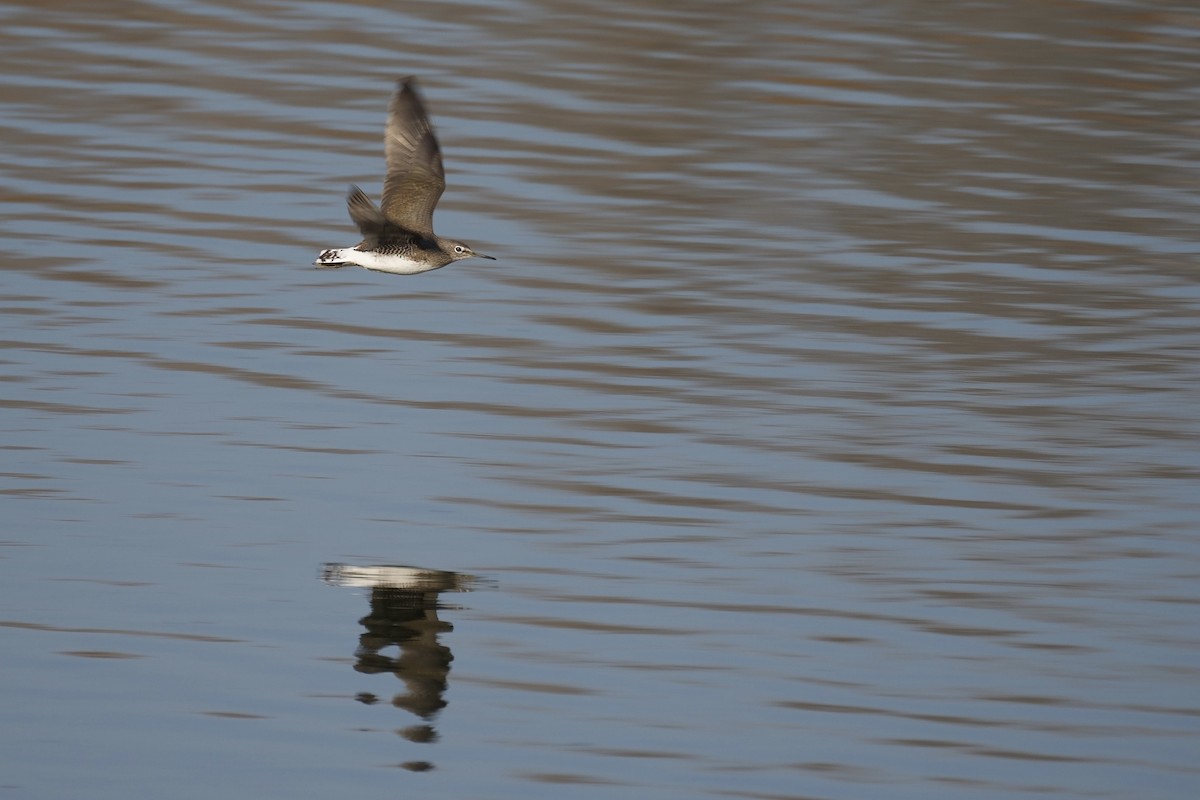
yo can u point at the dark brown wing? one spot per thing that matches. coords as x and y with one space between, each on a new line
415 178
366 216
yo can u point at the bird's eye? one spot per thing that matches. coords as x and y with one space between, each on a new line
458 248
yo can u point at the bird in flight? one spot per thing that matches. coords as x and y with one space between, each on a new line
398 236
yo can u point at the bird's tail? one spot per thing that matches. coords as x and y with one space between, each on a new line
332 259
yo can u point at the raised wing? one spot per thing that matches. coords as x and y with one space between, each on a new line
415 178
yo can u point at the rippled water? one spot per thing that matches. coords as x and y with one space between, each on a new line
827 428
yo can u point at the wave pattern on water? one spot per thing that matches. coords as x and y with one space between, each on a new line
828 421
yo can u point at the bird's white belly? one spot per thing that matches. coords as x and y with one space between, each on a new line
397 265
369 259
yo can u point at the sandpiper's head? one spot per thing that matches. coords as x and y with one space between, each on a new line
460 250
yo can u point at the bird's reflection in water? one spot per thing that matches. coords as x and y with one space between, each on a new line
404 615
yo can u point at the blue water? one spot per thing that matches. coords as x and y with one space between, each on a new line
826 428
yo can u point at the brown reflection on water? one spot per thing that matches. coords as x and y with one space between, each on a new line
404 615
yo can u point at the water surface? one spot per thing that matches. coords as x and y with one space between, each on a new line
826 428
